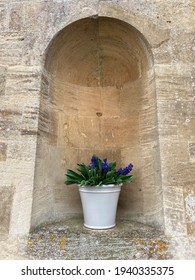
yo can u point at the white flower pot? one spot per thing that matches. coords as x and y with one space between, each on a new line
99 205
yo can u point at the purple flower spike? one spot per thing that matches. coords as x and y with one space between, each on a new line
120 171
105 165
94 162
126 170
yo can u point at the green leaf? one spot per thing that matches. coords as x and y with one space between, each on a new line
108 181
112 165
73 174
119 181
99 167
71 182
84 170
110 174
126 178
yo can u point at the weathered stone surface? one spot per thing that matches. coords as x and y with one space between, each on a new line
23 80
6 197
29 120
9 123
3 15
120 89
69 240
19 150
150 30
174 211
177 170
189 198
16 18
2 80
11 48
3 151
192 151
174 82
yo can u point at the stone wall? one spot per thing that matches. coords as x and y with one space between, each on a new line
98 97
27 30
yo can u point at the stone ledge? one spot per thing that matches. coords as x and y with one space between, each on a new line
70 240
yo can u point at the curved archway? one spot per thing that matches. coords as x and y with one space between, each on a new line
98 96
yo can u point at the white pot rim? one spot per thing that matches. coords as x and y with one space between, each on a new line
100 189
101 186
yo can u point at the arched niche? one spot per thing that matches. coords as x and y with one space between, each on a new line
98 97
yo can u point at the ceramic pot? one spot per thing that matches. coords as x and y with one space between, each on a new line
99 205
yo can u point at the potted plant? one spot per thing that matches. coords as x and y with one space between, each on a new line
99 187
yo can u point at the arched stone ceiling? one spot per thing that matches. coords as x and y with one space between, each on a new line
97 52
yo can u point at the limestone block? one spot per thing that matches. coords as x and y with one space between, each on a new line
169 131
19 150
179 48
89 102
162 54
176 168
183 43
84 132
65 97
62 12
29 125
174 83
189 198
9 123
6 174
16 19
145 25
119 132
178 115
70 157
45 84
3 151
25 17
21 214
3 15
11 44
177 9
187 128
174 210
191 149
148 134
34 45
6 196
62 132
2 80
130 98
21 172
22 79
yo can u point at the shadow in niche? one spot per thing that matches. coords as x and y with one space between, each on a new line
98 96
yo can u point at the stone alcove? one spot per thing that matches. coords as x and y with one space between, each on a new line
97 97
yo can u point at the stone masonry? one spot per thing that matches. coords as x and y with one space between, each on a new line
115 78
